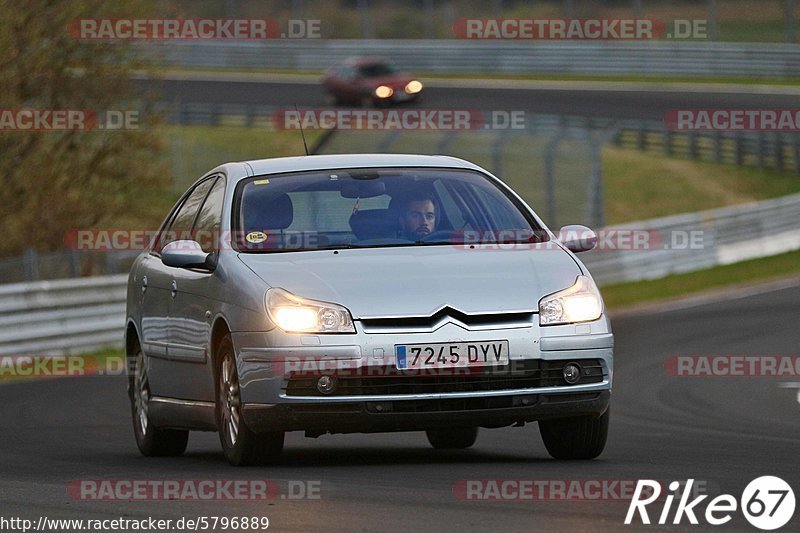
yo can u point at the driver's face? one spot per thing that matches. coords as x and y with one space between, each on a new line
419 219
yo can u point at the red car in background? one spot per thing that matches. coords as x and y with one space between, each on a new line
369 81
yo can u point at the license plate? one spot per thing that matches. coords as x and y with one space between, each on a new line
451 355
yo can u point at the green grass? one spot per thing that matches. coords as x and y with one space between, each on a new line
654 79
679 285
640 185
197 149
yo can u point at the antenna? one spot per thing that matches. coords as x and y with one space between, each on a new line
302 134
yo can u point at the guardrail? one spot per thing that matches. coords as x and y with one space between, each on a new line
80 315
499 57
774 149
721 236
62 316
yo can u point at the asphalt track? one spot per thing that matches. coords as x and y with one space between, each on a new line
574 98
723 431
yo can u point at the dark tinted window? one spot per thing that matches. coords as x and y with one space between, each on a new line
182 222
376 69
206 229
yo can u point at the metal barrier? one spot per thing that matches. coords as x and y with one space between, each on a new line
80 315
695 241
704 58
62 316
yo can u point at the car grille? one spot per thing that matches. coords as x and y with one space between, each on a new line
385 380
427 323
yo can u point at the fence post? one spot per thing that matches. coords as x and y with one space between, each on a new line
596 215
31 264
668 143
718 146
693 145
713 21
75 263
780 164
550 177
789 29
760 156
738 150
796 152
366 22
497 154
641 136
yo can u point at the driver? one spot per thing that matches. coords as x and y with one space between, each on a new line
419 216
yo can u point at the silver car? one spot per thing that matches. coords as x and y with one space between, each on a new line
363 293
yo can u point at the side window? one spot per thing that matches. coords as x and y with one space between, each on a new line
181 225
206 229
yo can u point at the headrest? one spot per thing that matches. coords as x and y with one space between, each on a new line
267 212
373 224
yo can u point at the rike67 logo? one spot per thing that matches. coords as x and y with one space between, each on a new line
767 503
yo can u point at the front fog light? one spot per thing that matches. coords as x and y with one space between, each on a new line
326 384
572 373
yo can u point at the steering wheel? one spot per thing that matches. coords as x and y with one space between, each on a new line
439 235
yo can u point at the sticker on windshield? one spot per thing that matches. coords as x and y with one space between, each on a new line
260 182
256 237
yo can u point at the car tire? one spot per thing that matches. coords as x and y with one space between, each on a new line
452 438
582 437
152 441
240 445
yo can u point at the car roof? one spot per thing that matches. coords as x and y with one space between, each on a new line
323 162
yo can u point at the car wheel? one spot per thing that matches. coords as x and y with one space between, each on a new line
152 441
582 437
240 445
453 438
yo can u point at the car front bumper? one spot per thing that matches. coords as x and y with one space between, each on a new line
267 360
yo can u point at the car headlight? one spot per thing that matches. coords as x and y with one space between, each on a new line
580 303
384 91
413 87
294 314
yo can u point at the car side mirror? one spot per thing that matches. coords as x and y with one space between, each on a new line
578 238
187 254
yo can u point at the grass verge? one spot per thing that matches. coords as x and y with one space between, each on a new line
679 285
640 185
657 80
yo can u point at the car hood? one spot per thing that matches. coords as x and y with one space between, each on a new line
395 81
404 281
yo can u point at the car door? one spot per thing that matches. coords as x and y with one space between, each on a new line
191 310
170 368
153 283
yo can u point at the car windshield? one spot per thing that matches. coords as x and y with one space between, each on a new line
365 208
373 70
